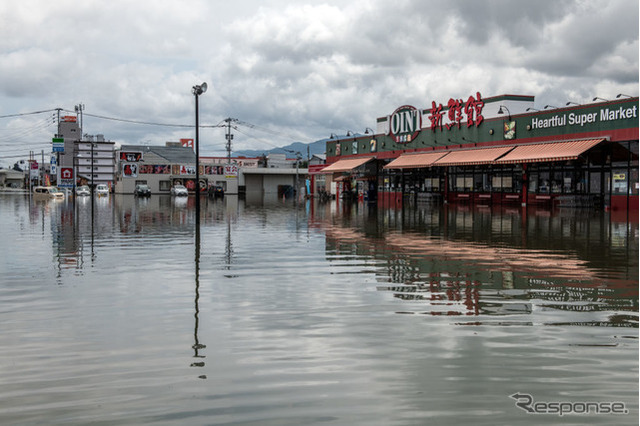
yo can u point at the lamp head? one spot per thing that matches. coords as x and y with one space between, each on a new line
199 89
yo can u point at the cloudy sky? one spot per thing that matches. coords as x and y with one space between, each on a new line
294 70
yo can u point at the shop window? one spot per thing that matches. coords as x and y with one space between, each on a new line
507 184
496 183
544 186
595 182
557 182
633 171
568 182
432 184
620 181
165 185
479 182
141 182
533 182
633 181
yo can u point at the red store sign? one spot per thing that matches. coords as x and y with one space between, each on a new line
457 110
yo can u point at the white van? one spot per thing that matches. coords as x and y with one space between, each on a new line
47 192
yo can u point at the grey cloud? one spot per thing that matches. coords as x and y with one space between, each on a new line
307 68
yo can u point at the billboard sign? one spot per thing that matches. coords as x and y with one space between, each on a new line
65 179
131 157
231 171
130 170
58 144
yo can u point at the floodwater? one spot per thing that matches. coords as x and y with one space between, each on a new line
125 312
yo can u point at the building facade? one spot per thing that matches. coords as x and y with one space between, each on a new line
161 167
498 150
94 160
81 160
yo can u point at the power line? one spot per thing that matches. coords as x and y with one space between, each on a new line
147 123
19 133
27 113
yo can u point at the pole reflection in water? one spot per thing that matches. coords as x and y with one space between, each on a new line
197 346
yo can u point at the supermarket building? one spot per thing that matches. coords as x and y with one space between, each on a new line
497 150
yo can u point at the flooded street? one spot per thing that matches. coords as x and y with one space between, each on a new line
125 312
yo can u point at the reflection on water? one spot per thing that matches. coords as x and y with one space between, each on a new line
490 263
128 311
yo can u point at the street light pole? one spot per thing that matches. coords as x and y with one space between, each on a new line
197 91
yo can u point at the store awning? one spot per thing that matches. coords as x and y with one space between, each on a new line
552 151
470 157
415 161
346 165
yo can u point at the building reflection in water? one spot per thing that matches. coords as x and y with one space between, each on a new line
461 260
441 260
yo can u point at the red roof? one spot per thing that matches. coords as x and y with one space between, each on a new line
414 161
554 151
346 165
473 156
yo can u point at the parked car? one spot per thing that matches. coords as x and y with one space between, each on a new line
83 191
216 191
102 189
47 192
179 190
142 191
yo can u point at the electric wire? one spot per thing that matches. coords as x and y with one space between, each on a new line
16 134
28 113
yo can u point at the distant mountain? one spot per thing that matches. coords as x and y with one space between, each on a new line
317 147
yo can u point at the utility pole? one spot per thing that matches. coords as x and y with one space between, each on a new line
79 109
229 138
57 153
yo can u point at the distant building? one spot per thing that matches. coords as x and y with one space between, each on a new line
94 160
91 159
317 159
245 162
10 178
280 161
161 167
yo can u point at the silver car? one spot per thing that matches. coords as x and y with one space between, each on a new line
102 190
179 191
83 191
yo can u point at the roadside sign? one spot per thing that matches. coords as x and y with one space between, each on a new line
58 144
66 177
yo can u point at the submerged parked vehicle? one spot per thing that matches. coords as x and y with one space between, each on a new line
216 191
102 189
179 190
47 192
83 191
142 191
